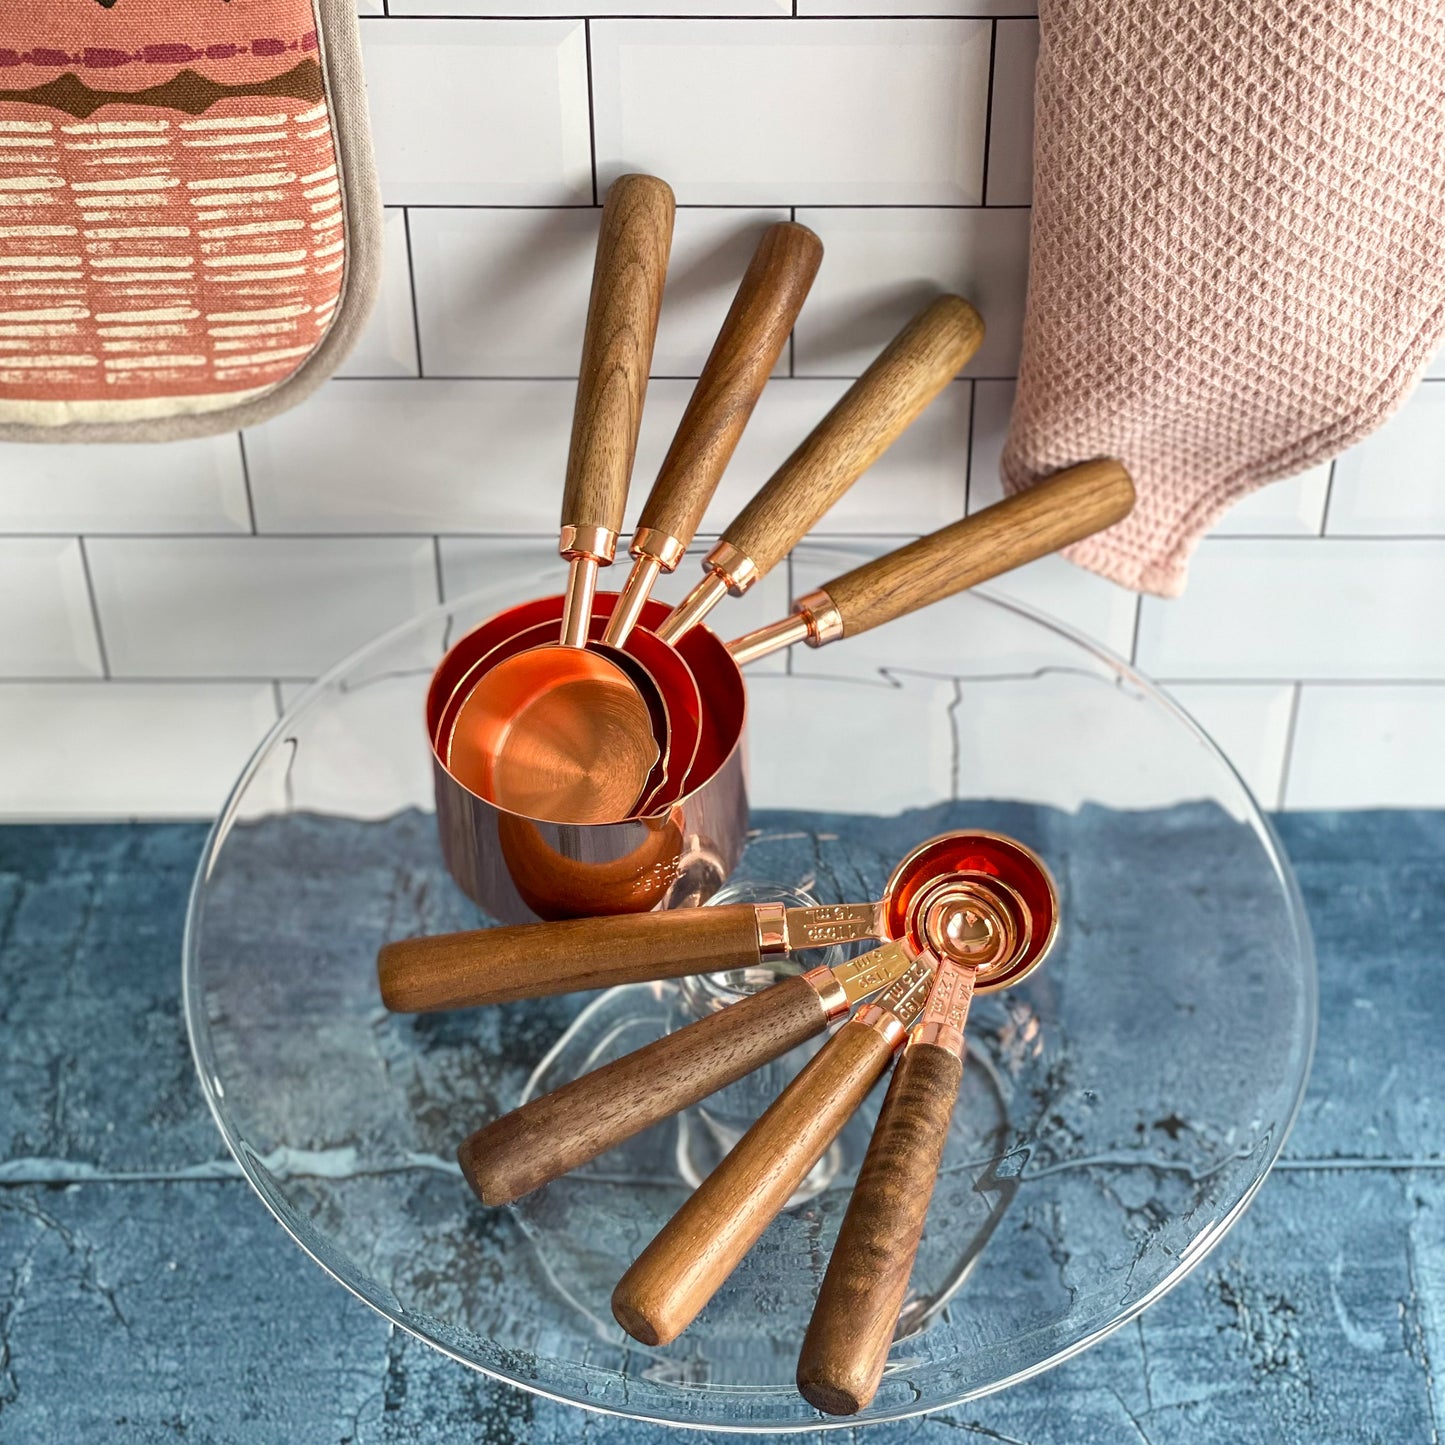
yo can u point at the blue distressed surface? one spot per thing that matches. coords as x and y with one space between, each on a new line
145 1294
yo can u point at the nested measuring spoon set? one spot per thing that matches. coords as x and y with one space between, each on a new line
964 912
589 762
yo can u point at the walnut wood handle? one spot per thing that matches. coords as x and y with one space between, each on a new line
846 1346
870 416
758 324
555 1133
1069 506
531 960
696 1250
627 279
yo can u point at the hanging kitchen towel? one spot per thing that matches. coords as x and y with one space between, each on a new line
189 222
1238 255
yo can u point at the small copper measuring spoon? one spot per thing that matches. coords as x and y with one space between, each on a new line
756 328
982 921
564 731
535 960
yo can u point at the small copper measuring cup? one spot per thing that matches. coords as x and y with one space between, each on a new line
570 731
996 923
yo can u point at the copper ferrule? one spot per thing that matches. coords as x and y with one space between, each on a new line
772 921
815 620
630 604
599 543
734 566
577 603
945 1014
831 994
888 1024
661 547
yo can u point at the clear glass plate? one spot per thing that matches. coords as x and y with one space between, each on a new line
1120 1107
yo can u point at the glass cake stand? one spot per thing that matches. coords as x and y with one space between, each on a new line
1120 1108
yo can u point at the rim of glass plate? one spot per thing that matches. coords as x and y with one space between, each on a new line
198 1033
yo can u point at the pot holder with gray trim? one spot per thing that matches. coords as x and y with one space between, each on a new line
189 220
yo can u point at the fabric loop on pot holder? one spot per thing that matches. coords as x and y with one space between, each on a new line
189 218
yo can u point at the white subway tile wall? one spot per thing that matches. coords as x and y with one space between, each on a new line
175 597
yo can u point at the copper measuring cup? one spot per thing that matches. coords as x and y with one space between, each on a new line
996 921
1063 509
568 730
557 1132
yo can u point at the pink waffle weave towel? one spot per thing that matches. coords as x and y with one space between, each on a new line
1238 254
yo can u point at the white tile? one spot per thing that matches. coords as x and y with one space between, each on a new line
504 292
992 406
346 760
1249 723
1082 600
254 606
48 629
917 485
388 345
470 114
1368 747
1436 368
543 8
1291 507
1317 609
880 267
795 112
370 7
171 749
187 486
1393 482
982 8
415 456
1011 127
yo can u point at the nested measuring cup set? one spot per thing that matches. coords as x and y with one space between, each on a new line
588 748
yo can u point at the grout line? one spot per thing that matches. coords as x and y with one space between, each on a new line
1289 737
436 548
793 334
415 309
276 697
94 609
762 19
1329 497
1134 641
591 109
762 205
988 110
968 449
655 376
246 482
792 594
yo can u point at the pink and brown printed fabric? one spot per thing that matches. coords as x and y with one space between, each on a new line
189 224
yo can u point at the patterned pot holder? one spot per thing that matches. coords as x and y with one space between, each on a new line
189 220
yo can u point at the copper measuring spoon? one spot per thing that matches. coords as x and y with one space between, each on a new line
753 334
564 731
998 923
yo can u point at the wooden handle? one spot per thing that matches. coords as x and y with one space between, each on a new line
742 359
1069 506
555 1133
871 415
847 1343
627 280
531 960
696 1250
